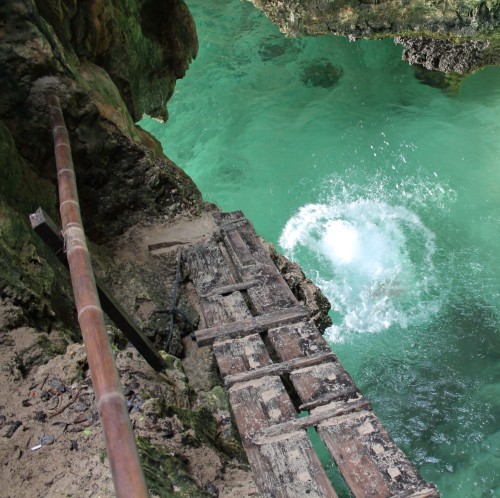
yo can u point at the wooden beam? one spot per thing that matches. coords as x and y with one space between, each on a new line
254 325
228 289
279 368
49 232
369 460
236 356
328 398
288 467
325 413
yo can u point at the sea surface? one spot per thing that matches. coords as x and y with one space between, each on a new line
387 192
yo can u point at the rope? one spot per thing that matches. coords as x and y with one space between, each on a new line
172 310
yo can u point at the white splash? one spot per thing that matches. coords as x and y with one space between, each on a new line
372 260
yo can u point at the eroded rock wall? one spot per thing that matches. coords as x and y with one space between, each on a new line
454 36
109 63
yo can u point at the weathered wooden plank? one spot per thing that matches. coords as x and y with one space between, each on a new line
279 368
252 262
272 294
240 251
219 309
327 412
253 325
296 340
50 233
207 266
260 403
241 355
228 289
288 467
371 464
320 384
245 248
328 398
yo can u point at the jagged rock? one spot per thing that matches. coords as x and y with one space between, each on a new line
100 59
469 30
303 288
144 45
442 55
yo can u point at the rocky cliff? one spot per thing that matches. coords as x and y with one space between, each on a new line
456 36
109 62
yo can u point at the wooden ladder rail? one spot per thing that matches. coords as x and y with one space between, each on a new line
127 473
49 232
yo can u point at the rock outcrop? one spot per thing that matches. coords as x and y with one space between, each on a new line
109 62
456 36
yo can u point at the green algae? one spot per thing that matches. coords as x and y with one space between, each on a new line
166 473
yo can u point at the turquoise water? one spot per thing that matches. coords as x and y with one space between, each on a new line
387 192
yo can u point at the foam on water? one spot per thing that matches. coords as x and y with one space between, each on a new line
372 259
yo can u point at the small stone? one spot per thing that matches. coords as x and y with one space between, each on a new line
46 439
13 428
80 407
393 472
40 416
80 418
212 489
57 384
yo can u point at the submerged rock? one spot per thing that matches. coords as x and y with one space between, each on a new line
269 50
320 72
449 83
274 47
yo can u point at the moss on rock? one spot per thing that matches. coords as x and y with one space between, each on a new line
165 472
144 45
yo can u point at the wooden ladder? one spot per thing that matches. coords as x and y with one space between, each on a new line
275 364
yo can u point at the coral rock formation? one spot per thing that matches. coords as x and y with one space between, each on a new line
454 36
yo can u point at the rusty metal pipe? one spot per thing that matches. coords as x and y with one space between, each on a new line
128 477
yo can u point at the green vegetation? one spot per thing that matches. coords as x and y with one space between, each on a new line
165 472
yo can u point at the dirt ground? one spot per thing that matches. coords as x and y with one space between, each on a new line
51 441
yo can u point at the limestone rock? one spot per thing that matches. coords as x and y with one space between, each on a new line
144 45
109 63
469 30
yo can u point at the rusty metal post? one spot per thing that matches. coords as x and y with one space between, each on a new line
128 477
